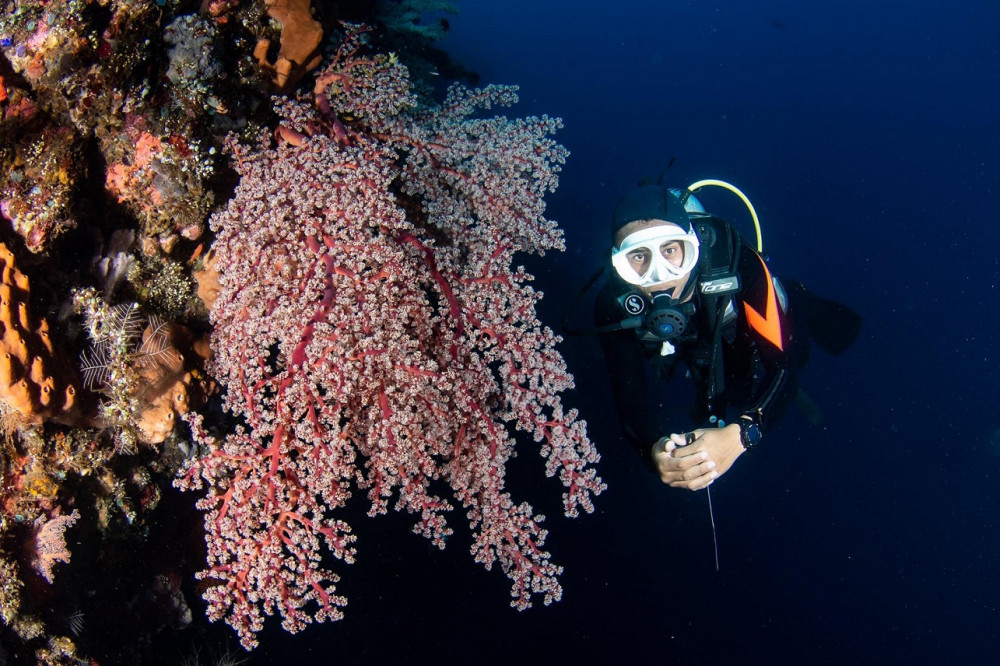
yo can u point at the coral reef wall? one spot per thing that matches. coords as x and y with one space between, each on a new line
257 252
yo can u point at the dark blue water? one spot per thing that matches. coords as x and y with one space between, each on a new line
865 134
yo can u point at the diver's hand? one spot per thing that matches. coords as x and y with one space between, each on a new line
696 465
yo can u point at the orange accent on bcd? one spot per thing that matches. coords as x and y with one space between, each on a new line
768 325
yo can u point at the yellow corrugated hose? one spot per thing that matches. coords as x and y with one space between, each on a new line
735 190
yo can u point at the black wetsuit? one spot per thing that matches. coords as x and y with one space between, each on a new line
757 348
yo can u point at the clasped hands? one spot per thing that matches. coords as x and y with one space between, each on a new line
696 465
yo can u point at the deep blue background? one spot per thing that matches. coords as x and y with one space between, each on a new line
864 132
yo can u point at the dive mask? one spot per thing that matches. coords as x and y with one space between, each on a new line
656 268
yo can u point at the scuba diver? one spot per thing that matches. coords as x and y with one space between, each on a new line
688 290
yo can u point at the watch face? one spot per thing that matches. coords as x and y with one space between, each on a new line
751 435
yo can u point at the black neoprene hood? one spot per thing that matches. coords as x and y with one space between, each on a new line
649 202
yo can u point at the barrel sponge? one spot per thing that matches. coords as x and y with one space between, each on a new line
299 48
33 379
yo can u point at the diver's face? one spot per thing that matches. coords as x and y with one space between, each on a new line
641 258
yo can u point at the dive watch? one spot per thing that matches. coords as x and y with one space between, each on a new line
750 434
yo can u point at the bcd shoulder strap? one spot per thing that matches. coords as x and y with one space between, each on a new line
718 283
